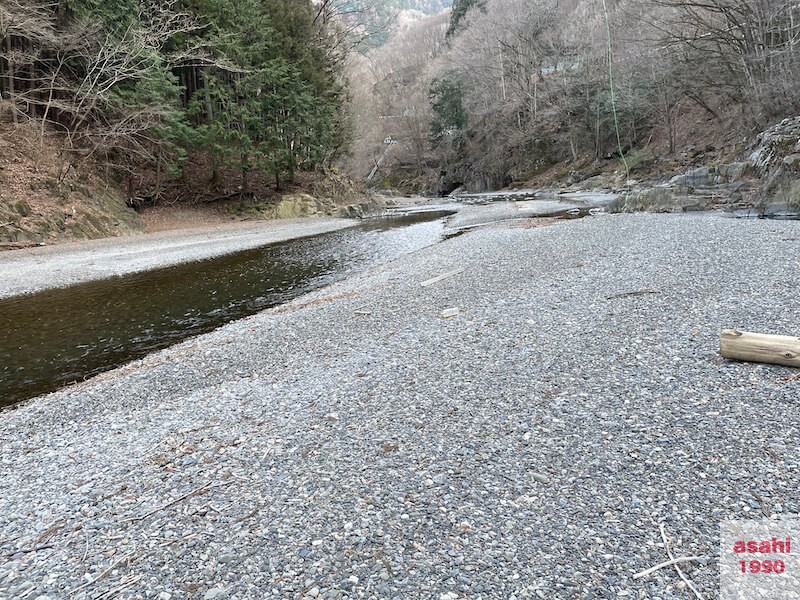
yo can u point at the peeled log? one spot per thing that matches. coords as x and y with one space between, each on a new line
760 347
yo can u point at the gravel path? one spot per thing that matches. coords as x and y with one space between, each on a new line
356 444
35 269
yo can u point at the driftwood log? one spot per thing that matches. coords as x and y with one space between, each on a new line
760 347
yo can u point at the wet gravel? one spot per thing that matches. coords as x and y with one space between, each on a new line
35 269
356 444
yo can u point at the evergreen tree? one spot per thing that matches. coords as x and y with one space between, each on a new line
449 116
458 11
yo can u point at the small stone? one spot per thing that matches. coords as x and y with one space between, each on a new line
165 596
448 596
213 594
450 312
333 417
226 558
540 478
353 579
313 592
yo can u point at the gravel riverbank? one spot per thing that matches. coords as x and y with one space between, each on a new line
354 443
35 269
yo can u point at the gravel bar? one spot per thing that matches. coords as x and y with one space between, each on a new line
35 269
356 444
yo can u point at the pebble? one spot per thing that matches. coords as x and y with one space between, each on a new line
540 478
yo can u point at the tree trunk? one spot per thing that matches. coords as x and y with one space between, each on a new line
2 46
10 78
759 347
207 96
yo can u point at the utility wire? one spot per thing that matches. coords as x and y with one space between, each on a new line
613 96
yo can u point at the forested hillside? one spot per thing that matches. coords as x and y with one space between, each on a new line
501 90
139 86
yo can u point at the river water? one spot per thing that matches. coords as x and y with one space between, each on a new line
59 336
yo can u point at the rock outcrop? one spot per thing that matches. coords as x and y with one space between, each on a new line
767 184
727 186
776 158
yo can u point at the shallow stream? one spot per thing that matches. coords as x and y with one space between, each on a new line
59 336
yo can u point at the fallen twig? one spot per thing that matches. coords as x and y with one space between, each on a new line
789 378
28 550
666 563
86 552
113 593
103 574
252 513
629 294
677 568
197 492
439 278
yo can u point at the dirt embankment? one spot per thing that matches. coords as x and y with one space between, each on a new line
44 199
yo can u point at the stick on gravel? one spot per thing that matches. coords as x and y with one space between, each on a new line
103 574
438 278
677 568
666 563
197 492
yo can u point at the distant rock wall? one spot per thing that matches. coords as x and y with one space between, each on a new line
766 184
297 206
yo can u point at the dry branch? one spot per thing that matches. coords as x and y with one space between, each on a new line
103 574
666 563
439 278
196 492
677 568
